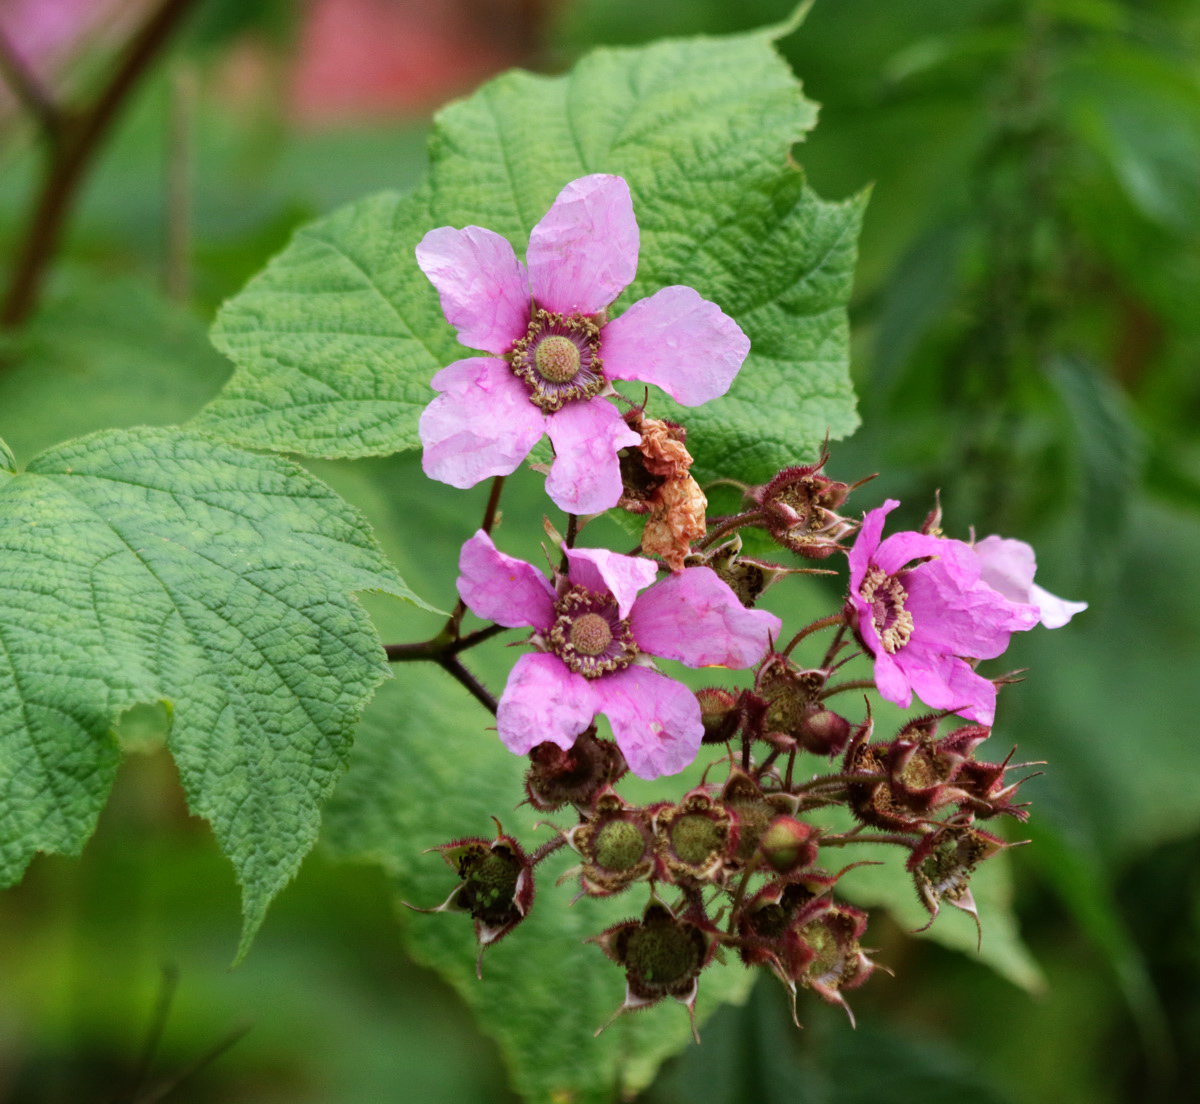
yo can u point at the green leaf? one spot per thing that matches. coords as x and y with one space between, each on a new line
1110 450
103 354
426 770
337 340
156 565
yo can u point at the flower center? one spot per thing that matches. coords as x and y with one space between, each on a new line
892 621
589 636
558 359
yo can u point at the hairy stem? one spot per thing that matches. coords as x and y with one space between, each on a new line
824 623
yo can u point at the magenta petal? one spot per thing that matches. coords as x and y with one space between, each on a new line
655 720
957 615
482 286
586 475
543 701
695 618
584 252
904 548
867 541
600 570
890 680
482 424
946 682
677 341
500 588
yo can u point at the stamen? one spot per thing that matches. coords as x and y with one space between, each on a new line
892 621
558 359
589 636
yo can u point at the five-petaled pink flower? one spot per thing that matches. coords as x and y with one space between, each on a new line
553 349
1009 566
595 636
922 609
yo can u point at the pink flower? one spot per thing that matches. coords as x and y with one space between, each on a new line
1009 567
923 622
595 636
554 350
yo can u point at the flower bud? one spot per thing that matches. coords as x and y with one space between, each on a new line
822 731
719 713
799 507
787 845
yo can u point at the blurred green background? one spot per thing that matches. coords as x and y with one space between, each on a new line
1027 339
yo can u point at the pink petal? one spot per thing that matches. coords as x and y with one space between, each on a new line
482 424
957 615
677 341
655 720
1055 611
585 477
584 252
867 541
544 701
600 570
482 286
1009 566
696 618
500 588
890 679
901 549
945 682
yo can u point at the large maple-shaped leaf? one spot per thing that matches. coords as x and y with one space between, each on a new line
336 341
155 565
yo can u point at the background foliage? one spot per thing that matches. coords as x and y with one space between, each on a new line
1025 340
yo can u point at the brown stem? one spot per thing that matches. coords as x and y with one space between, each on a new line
547 849
728 526
849 684
34 96
824 623
869 837
568 542
79 138
453 666
490 512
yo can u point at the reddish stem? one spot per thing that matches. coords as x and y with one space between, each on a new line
74 139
